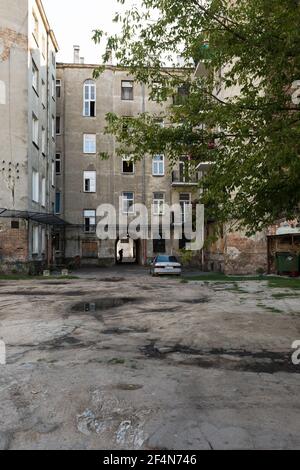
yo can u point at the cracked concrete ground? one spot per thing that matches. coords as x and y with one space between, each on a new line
120 360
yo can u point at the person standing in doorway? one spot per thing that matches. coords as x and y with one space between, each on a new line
121 256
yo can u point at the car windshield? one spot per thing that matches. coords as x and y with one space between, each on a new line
166 259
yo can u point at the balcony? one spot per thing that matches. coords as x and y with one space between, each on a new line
181 179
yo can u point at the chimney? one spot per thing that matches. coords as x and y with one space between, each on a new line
82 60
76 54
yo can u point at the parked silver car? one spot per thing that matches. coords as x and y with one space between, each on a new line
165 265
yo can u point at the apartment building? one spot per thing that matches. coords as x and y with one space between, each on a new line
84 180
27 133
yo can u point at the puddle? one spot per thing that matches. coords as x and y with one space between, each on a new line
124 331
112 279
127 387
102 304
268 362
203 300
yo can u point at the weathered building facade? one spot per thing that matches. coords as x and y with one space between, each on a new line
27 133
85 181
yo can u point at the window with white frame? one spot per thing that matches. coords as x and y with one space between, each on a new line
89 143
35 27
43 192
128 203
89 181
53 174
58 88
44 141
53 87
35 77
89 221
58 164
44 47
185 201
89 98
53 127
35 240
159 204
127 90
44 94
158 165
35 130
35 186
128 166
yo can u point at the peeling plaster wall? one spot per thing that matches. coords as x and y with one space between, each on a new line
245 255
13 104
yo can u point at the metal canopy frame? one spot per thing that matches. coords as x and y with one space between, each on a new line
39 217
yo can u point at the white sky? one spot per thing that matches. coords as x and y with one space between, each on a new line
73 22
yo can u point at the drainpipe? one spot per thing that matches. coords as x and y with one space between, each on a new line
144 174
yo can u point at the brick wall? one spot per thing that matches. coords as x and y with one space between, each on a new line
245 255
13 242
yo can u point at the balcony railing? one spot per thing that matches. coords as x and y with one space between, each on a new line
181 179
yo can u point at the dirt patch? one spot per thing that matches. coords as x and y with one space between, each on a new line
33 293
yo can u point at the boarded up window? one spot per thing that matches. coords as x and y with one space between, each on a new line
89 249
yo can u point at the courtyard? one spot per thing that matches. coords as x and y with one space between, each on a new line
117 359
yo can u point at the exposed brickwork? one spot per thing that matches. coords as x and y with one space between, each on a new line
244 255
13 242
8 39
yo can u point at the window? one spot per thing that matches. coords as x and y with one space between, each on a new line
159 204
128 203
181 96
35 77
58 122
89 91
58 164
44 95
53 59
89 143
44 46
35 186
35 130
44 141
127 90
53 87
43 198
53 127
185 200
35 27
53 174
159 165
58 88
35 240
128 165
57 203
43 241
90 221
89 181
15 225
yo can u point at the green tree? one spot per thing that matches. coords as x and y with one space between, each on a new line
255 171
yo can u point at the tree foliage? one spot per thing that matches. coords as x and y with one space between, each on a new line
255 170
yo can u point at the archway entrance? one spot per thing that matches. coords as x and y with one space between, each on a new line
128 251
